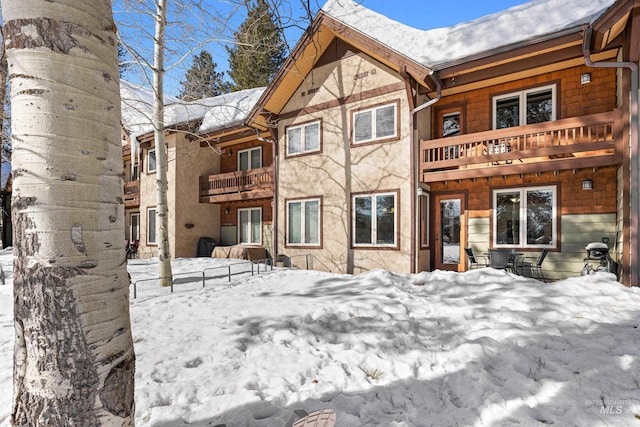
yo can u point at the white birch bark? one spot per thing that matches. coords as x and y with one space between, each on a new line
74 360
162 209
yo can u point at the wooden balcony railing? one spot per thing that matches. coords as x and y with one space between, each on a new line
132 194
593 140
240 185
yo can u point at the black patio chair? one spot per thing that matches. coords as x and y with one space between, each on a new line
476 261
532 266
132 249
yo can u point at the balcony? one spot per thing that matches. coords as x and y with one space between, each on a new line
236 186
132 194
577 142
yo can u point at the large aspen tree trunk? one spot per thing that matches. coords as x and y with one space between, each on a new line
74 360
162 204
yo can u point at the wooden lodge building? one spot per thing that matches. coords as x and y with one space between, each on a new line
378 145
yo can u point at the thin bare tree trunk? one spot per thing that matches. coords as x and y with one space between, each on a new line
164 253
73 360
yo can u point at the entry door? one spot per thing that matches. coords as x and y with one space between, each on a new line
449 230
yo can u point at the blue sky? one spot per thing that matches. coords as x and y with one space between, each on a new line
430 14
416 13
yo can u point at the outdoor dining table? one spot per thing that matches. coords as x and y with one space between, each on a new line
503 259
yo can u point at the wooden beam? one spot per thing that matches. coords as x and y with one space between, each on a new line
236 197
514 169
610 54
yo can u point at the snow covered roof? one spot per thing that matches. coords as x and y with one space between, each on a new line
230 109
436 47
137 108
216 112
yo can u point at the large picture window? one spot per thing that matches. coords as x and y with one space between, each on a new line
303 222
525 217
151 226
375 219
303 139
525 107
375 124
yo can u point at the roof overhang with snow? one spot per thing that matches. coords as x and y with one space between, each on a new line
310 48
508 42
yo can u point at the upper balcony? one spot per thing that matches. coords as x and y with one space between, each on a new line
578 142
236 186
132 194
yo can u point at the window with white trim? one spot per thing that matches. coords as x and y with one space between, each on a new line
134 227
303 222
525 107
525 217
304 138
151 160
374 124
250 159
151 226
250 226
375 219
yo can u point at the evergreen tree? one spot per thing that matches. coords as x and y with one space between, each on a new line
123 65
259 50
202 80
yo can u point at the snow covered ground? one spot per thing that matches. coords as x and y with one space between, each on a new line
483 348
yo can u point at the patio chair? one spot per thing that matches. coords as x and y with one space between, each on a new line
323 418
475 260
532 266
502 259
132 249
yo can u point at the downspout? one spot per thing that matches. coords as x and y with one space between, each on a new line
414 167
274 201
635 206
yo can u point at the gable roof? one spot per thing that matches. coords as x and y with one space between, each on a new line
418 53
435 48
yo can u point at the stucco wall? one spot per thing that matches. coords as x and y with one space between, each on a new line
341 170
186 162
148 199
190 162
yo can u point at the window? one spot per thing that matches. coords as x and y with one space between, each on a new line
374 220
451 127
151 226
135 173
250 226
250 159
151 160
134 227
525 217
303 222
451 124
374 124
303 139
525 107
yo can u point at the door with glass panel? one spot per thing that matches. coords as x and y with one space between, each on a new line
250 226
448 237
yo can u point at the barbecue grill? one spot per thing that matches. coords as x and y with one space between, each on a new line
597 253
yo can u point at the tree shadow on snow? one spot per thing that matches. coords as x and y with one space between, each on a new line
549 370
